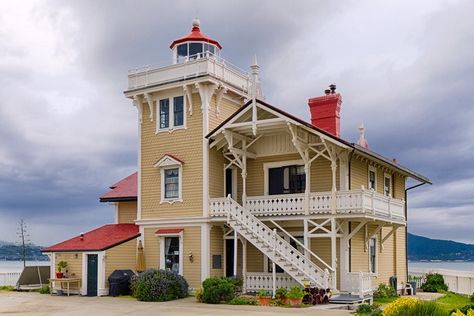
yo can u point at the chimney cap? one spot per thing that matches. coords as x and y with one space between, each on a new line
332 87
327 92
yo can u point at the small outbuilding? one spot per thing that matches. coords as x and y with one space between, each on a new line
94 255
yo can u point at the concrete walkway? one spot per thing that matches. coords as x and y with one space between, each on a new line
43 304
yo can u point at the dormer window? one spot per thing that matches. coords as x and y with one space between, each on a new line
171 114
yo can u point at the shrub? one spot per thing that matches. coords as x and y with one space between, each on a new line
463 309
281 293
6 288
295 293
394 308
44 290
471 297
159 286
218 289
243 300
364 309
385 291
434 283
314 295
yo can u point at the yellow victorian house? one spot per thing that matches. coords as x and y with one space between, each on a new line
230 185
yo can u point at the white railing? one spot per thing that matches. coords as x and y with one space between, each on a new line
255 281
461 282
347 202
290 204
9 278
275 247
358 283
194 66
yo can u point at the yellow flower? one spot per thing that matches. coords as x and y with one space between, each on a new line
392 308
470 312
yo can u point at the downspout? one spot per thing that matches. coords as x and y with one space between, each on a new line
350 187
406 226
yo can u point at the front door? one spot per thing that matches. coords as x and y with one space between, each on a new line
229 257
92 269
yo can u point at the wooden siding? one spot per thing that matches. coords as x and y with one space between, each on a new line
184 144
191 244
322 248
74 265
121 257
216 249
127 212
255 259
401 255
227 108
216 173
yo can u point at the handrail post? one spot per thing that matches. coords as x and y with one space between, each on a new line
273 262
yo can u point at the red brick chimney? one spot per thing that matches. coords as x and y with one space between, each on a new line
325 111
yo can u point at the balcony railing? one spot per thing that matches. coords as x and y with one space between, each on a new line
194 66
358 283
255 281
360 201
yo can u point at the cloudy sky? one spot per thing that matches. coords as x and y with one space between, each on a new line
405 68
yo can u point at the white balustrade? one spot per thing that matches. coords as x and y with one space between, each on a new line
9 278
285 204
358 283
260 280
347 202
194 67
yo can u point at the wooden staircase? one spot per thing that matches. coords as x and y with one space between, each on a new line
281 252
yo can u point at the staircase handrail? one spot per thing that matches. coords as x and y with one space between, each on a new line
303 246
324 272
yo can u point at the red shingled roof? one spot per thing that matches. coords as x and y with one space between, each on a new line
124 190
99 239
195 36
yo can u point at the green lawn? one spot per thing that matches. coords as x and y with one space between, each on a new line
7 288
452 301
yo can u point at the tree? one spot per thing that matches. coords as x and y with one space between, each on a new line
23 235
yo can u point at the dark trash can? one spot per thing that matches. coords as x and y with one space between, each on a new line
119 282
393 283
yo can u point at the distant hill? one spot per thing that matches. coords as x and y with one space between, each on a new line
422 248
11 252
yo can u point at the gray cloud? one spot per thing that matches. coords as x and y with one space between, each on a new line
67 132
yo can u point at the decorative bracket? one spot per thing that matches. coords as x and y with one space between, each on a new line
137 101
219 94
188 91
149 100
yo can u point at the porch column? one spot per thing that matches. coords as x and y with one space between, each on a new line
244 180
344 256
236 244
305 236
307 191
244 265
333 252
334 188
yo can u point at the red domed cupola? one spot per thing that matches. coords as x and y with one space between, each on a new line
194 45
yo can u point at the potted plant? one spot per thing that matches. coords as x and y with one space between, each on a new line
264 297
62 265
281 294
296 296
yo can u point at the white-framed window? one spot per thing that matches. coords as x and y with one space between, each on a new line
387 184
171 170
372 178
171 253
287 177
373 255
171 113
194 50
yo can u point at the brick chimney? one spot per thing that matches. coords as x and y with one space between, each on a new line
325 111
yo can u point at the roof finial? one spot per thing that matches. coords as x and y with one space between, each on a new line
256 90
196 23
362 141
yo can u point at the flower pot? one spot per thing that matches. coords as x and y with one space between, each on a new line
59 275
285 300
264 300
295 302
